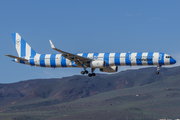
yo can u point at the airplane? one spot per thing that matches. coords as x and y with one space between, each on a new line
105 62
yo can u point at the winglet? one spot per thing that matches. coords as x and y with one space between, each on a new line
52 45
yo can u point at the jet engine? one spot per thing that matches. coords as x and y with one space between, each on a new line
97 64
109 69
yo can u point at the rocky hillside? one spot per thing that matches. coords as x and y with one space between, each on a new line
53 94
75 87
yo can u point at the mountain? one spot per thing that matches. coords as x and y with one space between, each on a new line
131 94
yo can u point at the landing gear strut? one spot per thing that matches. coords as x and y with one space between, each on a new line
85 71
158 68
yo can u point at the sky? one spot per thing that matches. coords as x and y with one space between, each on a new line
82 26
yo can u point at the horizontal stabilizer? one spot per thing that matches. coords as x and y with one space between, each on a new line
17 57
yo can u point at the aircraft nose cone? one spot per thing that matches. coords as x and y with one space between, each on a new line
172 61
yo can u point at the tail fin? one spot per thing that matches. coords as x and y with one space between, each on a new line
22 47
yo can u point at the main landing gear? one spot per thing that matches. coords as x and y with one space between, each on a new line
84 72
158 68
90 74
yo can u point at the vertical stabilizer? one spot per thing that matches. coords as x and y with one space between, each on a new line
22 47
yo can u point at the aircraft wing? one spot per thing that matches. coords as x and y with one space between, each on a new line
79 60
17 57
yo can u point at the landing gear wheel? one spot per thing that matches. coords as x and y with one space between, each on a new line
90 75
82 72
158 68
93 74
86 72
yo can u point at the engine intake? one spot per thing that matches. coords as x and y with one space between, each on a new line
109 69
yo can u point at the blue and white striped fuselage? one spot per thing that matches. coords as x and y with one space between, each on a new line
111 59
106 62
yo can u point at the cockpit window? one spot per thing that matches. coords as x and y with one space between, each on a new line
168 57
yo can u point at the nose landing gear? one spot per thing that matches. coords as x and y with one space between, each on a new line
158 68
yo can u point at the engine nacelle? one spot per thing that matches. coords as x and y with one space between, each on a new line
97 64
109 69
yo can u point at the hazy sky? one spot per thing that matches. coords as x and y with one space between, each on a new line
86 26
